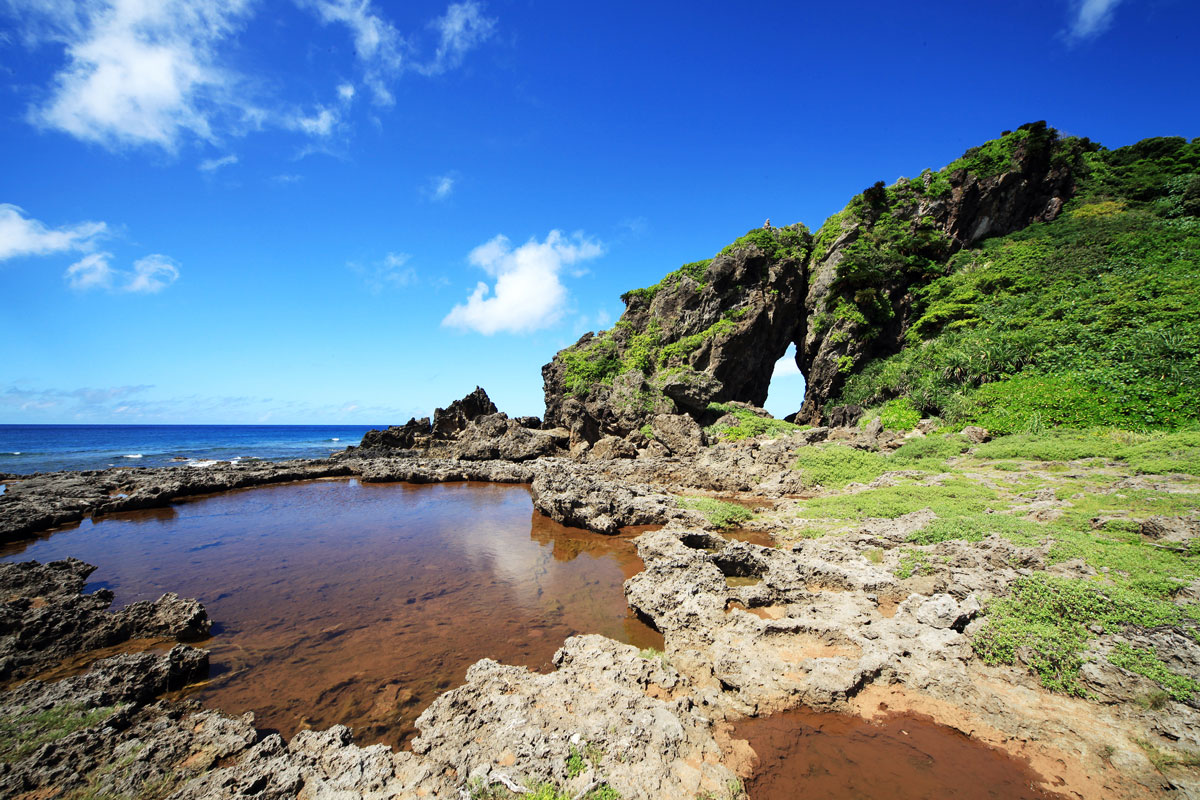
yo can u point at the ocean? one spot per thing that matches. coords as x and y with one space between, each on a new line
25 449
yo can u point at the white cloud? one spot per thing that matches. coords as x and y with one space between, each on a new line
158 72
528 294
22 236
149 275
1092 18
287 177
462 28
214 164
139 72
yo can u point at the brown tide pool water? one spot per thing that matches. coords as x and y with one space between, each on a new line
340 602
804 753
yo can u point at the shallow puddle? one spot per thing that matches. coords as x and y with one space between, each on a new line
804 753
336 602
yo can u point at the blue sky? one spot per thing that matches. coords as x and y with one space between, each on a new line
322 211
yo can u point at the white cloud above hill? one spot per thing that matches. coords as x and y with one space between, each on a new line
528 293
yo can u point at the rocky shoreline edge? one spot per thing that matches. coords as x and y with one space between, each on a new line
748 629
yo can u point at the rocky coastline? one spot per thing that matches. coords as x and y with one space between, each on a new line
749 630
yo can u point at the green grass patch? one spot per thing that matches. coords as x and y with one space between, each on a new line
1155 453
24 732
974 527
955 497
1144 661
899 415
748 425
720 513
914 562
834 466
1047 619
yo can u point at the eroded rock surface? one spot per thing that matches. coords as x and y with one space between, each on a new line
45 618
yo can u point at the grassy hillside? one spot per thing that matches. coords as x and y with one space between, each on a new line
1090 320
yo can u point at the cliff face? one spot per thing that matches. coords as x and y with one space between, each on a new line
712 331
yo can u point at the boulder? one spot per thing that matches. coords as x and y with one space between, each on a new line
680 434
976 434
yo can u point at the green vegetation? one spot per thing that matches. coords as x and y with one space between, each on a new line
1049 620
718 512
1152 453
913 562
694 271
974 527
23 733
1145 661
833 465
1088 321
899 415
748 424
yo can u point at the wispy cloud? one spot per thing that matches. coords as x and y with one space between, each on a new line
462 28
149 275
528 294
1090 18
392 272
378 45
214 164
22 236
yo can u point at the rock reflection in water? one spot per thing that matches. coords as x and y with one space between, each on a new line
804 753
357 604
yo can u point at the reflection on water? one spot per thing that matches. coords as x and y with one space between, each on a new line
804 753
344 603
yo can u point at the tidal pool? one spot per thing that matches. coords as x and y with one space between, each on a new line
805 753
340 602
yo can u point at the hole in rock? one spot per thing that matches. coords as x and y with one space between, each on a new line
786 392
340 602
702 541
804 753
739 565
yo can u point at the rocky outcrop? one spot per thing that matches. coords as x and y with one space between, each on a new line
450 420
470 429
44 617
712 331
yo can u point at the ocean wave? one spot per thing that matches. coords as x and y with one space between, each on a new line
134 455
203 462
335 439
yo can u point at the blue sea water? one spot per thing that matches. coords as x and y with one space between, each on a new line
26 449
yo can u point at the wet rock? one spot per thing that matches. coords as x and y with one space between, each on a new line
580 496
39 502
44 617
